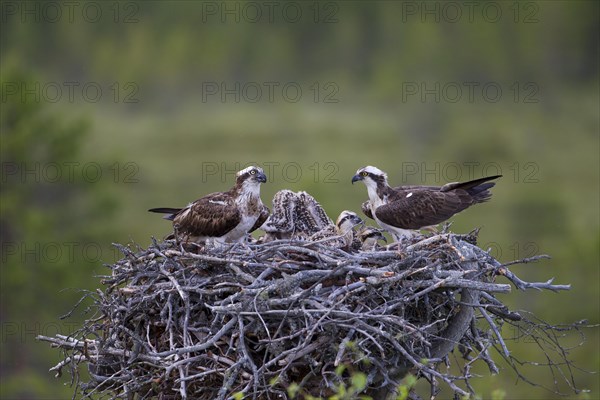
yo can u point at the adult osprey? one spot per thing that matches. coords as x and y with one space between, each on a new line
295 215
223 216
400 209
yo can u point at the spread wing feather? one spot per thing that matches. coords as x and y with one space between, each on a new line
213 215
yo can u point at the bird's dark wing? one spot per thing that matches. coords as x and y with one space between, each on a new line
416 187
473 187
213 215
422 208
366 209
264 214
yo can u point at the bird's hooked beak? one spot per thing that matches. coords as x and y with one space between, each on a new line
357 178
261 177
356 220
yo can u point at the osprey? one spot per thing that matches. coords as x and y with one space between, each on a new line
223 216
295 216
400 209
369 236
342 233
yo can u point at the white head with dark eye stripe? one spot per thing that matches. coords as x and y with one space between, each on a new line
249 180
347 220
371 176
374 179
251 174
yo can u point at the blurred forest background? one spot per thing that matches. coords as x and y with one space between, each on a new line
111 108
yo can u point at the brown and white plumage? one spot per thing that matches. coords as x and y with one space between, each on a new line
340 235
369 237
311 215
401 209
295 215
280 224
223 216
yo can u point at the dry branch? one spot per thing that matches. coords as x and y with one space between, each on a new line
172 323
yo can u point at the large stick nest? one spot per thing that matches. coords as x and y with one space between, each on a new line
260 319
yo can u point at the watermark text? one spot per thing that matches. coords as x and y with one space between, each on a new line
68 172
290 172
452 12
125 12
438 172
25 332
469 92
269 92
69 91
253 12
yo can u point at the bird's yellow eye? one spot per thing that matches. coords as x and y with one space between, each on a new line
253 172
364 173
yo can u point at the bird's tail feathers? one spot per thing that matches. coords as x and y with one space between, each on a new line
481 193
470 186
166 210
477 188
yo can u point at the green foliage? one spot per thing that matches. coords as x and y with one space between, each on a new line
293 389
406 386
238 396
498 394
345 391
46 236
349 386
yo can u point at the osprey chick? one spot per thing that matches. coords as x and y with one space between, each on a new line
342 233
295 216
369 236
